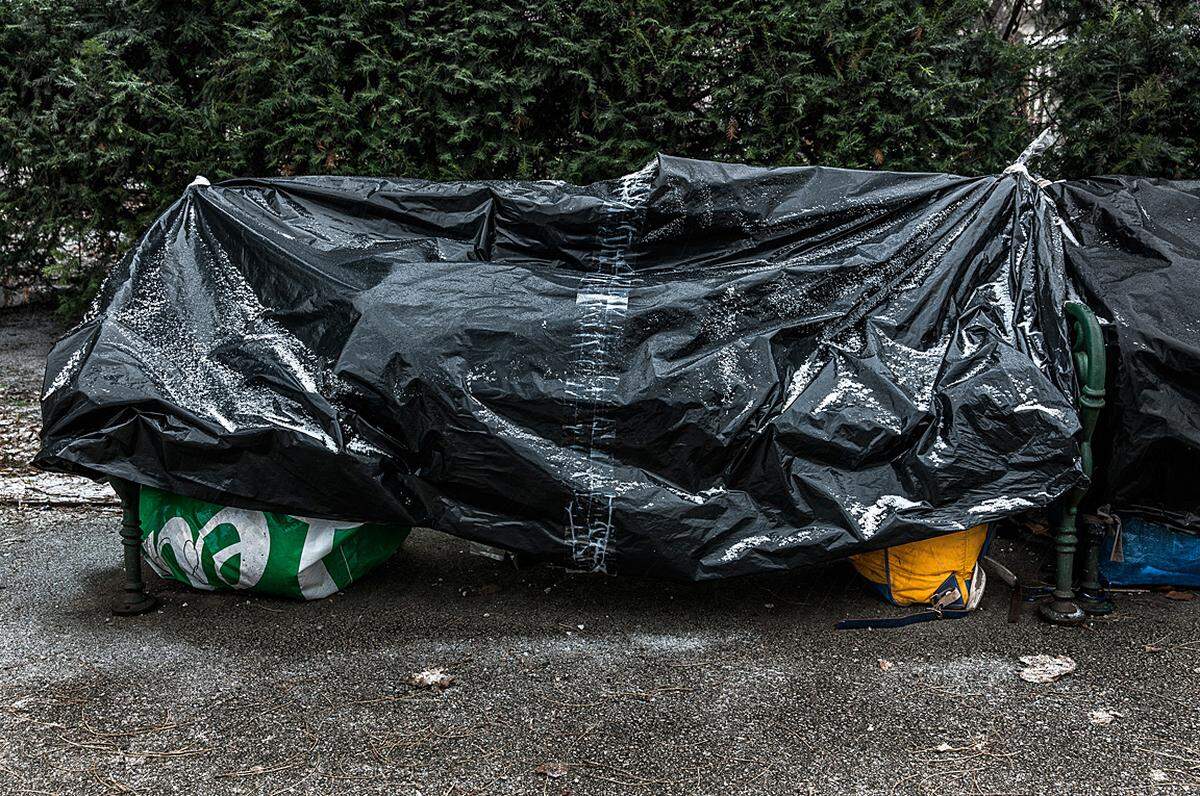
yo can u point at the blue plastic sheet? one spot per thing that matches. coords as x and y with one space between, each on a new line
1144 553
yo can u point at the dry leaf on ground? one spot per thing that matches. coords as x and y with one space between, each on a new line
431 678
1045 668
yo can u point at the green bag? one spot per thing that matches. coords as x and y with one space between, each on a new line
215 547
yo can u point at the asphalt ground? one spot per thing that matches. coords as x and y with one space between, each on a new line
563 683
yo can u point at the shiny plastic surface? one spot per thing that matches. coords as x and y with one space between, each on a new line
1134 249
698 370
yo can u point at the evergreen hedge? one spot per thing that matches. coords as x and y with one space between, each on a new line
109 107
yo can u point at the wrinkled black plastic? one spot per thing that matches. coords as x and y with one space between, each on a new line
1135 251
697 370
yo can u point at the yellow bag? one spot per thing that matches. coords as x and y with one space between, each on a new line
943 572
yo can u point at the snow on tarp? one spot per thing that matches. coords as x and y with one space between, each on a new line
1135 251
698 370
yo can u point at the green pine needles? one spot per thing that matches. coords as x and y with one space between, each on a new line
109 107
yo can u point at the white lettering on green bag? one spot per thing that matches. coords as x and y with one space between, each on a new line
252 547
215 547
314 579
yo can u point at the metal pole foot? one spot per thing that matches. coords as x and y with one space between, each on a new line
133 599
128 604
1062 612
1095 603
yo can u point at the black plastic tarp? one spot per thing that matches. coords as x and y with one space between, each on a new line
697 370
1134 249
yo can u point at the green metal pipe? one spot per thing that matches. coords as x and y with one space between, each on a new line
132 599
1089 343
1087 346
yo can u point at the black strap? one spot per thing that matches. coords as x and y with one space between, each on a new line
882 622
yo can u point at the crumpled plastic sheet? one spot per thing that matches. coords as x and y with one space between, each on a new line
697 370
1134 249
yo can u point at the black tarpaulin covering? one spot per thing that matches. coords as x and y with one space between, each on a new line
1135 251
698 370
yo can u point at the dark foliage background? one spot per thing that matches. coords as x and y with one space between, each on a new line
109 107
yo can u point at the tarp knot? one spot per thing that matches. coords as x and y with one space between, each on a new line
1044 141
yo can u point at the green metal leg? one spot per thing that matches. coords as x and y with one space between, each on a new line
1088 351
1093 599
133 599
1061 609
